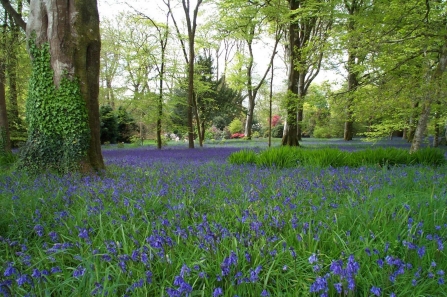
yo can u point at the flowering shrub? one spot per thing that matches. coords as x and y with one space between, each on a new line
237 135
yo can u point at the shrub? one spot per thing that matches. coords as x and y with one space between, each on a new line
277 131
322 132
256 134
237 135
235 126
243 157
226 134
213 133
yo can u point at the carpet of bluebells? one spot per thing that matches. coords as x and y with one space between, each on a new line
180 222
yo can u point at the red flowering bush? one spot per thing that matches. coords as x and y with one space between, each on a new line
237 135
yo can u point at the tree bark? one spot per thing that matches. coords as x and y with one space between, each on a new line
436 80
290 133
71 28
11 69
5 142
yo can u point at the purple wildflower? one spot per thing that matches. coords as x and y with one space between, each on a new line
24 279
320 284
338 287
376 291
313 258
78 272
39 230
217 292
265 293
10 270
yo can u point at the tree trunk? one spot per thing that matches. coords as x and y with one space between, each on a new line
290 133
300 117
71 29
436 135
5 143
198 121
11 68
421 126
436 80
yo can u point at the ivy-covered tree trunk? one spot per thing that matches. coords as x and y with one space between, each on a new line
62 108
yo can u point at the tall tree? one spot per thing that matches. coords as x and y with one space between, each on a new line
191 12
62 109
5 142
247 20
309 27
110 59
355 53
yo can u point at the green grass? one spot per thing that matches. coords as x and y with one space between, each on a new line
286 157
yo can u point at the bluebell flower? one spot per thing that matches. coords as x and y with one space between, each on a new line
376 291
254 274
55 269
24 279
338 287
10 270
185 270
351 283
148 277
247 257
173 292
313 258
265 293
320 284
78 272
217 292
336 267
39 230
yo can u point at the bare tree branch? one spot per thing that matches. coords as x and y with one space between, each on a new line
15 15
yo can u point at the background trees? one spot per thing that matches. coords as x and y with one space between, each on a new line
171 62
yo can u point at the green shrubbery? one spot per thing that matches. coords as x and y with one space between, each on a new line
284 157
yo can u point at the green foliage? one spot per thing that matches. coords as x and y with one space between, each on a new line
109 124
58 132
322 132
286 157
278 131
219 122
126 125
235 126
6 158
244 156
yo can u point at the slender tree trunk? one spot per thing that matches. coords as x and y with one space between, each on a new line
300 117
160 102
198 121
421 126
436 135
5 142
270 107
109 93
11 68
71 28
